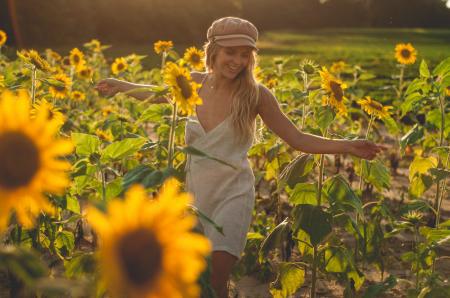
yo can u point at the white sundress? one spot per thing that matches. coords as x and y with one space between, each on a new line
224 194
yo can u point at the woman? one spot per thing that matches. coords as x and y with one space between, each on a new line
224 127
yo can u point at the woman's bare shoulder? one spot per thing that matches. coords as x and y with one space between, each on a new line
198 76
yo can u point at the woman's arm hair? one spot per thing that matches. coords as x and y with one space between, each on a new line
276 120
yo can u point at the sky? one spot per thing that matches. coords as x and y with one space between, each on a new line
448 3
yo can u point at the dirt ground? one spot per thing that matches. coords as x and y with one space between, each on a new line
250 287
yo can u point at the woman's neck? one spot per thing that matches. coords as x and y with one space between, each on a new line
220 83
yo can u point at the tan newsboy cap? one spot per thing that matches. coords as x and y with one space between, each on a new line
233 32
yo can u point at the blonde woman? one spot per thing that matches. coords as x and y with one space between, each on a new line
224 127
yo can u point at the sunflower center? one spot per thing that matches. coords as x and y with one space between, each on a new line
19 160
337 90
140 256
76 59
184 85
60 87
195 58
405 53
120 66
376 105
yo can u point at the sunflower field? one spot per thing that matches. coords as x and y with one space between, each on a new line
92 200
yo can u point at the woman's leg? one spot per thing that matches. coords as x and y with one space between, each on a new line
222 264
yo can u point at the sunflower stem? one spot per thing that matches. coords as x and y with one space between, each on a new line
400 81
102 173
366 138
33 84
172 135
305 83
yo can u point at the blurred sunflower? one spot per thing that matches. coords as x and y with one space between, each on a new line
76 58
2 82
162 46
35 59
338 67
3 37
308 66
105 135
85 72
447 90
94 45
61 85
335 91
30 163
65 62
77 95
374 108
53 113
147 246
52 55
182 87
405 53
106 110
119 65
194 57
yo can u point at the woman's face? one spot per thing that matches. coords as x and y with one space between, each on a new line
230 61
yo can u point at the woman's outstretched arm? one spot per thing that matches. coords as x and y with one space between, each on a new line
111 86
276 120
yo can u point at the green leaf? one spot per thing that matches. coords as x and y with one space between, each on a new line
204 217
85 144
340 195
291 277
423 69
324 117
436 235
136 175
194 151
376 290
419 184
65 239
155 113
336 260
376 173
304 193
297 170
442 68
421 165
313 220
440 173
122 149
357 278
72 204
114 188
410 103
391 125
274 239
80 264
411 137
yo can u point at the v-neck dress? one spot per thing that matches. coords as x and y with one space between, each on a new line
223 193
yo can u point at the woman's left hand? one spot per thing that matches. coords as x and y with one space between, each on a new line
365 149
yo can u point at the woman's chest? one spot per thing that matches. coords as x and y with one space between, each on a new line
214 110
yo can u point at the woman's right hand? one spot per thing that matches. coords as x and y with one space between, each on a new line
108 87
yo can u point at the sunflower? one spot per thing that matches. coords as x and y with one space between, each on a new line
338 67
147 247
335 91
2 82
162 46
94 45
3 37
30 163
85 72
194 57
405 53
61 86
77 95
308 66
106 110
53 113
119 65
52 55
374 108
65 62
182 87
105 135
447 91
76 58
35 59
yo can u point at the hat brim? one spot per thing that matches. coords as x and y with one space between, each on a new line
236 42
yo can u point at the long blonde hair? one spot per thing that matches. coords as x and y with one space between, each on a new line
245 97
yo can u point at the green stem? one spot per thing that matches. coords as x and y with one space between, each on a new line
367 137
102 173
416 240
400 81
172 136
305 83
314 273
33 84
